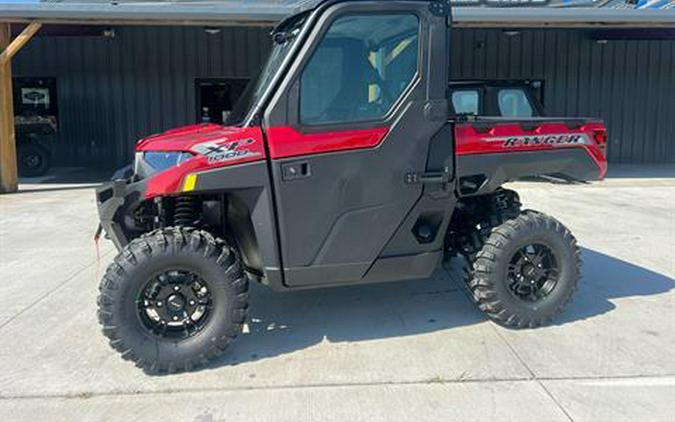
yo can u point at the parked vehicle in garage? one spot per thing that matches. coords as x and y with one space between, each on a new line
34 135
343 165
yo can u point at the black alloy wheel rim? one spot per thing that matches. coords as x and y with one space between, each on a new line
32 161
533 273
175 304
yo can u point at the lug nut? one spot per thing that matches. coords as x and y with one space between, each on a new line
176 288
159 304
175 318
192 303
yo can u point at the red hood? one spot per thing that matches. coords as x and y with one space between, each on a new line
186 137
212 146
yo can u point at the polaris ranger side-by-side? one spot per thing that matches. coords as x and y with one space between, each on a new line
342 165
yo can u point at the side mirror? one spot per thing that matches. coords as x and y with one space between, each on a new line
281 37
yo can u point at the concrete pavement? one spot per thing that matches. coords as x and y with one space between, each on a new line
399 351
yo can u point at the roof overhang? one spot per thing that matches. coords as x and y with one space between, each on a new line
231 13
542 17
267 13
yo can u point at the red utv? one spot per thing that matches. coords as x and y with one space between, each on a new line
344 164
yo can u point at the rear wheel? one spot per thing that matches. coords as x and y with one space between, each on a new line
526 272
173 300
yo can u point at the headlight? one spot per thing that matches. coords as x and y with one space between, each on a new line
151 162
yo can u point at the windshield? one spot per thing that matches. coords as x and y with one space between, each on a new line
283 37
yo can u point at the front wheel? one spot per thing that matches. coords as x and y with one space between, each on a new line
526 272
173 300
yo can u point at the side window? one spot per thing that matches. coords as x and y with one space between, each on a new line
465 101
514 103
360 69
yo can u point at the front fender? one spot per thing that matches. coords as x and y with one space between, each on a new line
116 202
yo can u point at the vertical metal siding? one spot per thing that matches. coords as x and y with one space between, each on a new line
628 83
115 91
112 92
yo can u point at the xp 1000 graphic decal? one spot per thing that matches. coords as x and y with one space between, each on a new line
218 152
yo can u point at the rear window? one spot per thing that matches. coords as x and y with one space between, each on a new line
465 101
514 103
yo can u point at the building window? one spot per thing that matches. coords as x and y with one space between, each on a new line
360 69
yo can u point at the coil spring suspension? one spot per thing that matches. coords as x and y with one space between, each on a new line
185 211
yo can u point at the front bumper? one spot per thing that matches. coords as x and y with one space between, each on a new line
117 201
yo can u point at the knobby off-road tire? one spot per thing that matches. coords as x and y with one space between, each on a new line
490 278
178 252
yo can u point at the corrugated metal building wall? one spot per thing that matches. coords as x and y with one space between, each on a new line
115 91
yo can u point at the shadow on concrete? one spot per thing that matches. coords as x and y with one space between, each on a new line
67 175
55 188
630 171
615 172
282 323
63 179
606 278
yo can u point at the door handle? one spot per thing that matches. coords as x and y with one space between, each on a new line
294 171
429 178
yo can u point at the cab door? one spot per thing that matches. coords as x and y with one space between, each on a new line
349 127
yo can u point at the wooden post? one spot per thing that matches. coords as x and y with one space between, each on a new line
8 171
8 51
8 48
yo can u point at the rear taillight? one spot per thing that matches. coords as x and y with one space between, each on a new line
600 137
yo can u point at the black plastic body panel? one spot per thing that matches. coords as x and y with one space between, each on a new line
497 169
251 219
116 201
